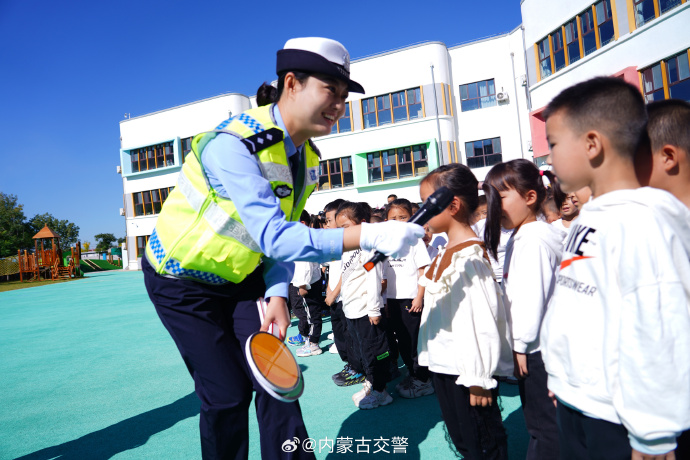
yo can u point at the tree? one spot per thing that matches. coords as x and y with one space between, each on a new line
14 231
85 245
121 240
66 230
105 241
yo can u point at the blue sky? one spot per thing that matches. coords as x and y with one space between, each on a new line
72 69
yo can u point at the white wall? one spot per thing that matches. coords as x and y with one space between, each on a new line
182 121
484 60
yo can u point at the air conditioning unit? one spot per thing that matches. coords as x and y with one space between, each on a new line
502 96
119 169
122 211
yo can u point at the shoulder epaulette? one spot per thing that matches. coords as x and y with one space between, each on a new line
263 140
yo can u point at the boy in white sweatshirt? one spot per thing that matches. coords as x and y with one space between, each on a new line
362 305
615 338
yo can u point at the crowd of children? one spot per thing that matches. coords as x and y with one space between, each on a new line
577 284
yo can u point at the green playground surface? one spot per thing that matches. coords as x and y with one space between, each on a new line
89 372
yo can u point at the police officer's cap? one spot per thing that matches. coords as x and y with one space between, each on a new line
317 55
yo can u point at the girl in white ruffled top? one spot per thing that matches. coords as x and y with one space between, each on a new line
464 337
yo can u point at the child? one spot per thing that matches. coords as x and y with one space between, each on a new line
431 250
567 202
304 301
515 192
464 337
668 168
348 376
361 291
615 337
551 209
480 213
404 304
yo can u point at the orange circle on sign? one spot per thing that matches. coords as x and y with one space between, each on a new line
274 361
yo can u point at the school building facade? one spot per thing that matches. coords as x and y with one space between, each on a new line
428 104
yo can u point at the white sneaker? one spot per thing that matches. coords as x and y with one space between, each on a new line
375 399
416 389
361 394
333 349
330 336
309 349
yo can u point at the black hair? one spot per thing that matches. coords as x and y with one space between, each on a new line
266 94
559 195
315 221
521 175
608 105
460 180
403 203
333 205
481 201
669 124
357 212
305 217
300 76
393 195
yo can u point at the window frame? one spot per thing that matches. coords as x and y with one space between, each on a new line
576 25
336 127
488 83
143 248
395 153
665 79
388 97
152 157
632 17
484 155
341 173
163 194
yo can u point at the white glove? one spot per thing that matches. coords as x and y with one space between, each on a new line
392 238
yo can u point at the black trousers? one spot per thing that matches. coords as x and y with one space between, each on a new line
340 334
210 326
539 411
586 438
477 432
308 312
369 348
405 326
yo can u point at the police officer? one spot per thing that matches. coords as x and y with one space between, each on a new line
228 235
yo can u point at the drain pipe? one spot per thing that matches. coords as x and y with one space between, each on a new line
517 108
438 125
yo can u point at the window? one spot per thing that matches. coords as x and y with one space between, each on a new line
344 125
653 84
605 22
141 245
149 202
646 10
335 173
558 50
152 157
369 112
383 109
544 58
668 78
186 145
477 95
678 73
589 39
397 163
392 108
572 41
580 36
486 152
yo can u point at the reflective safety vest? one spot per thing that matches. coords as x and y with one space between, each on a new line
199 234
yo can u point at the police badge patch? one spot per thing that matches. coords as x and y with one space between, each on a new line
282 191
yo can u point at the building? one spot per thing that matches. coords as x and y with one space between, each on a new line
425 105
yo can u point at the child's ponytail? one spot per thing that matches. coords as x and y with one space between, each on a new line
494 210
